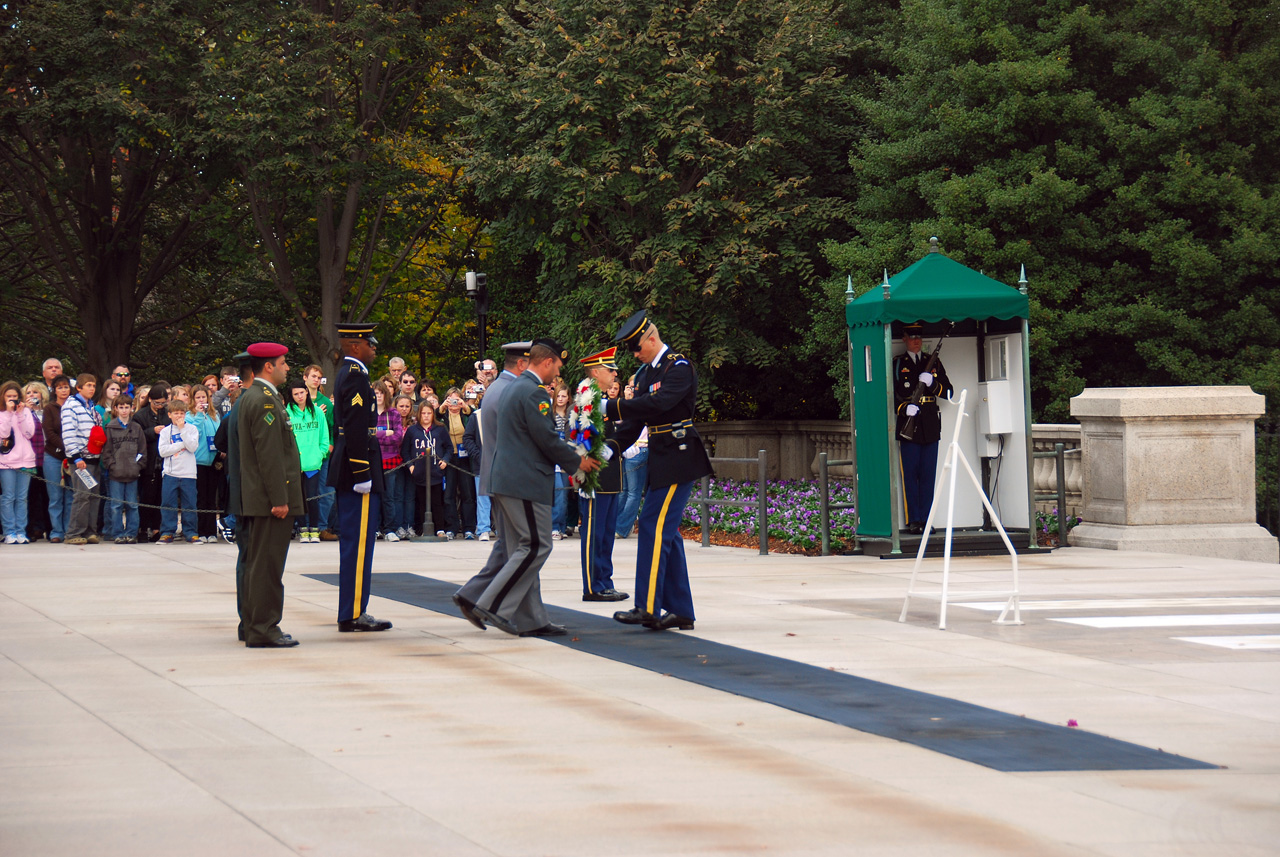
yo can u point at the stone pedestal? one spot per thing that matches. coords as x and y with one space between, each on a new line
1171 469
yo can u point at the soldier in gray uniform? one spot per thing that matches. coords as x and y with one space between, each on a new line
521 482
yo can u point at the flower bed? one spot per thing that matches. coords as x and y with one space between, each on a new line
793 513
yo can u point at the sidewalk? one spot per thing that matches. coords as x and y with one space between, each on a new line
134 723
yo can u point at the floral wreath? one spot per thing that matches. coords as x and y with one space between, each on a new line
586 432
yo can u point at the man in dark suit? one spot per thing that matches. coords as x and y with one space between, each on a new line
919 455
355 472
666 391
270 486
515 363
600 507
521 482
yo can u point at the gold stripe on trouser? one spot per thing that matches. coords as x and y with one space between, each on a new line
657 549
364 539
591 526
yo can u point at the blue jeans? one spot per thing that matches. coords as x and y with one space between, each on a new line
392 500
110 526
635 472
325 503
13 502
560 503
175 492
124 504
59 497
482 511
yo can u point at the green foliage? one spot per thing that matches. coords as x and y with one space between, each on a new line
684 158
1127 156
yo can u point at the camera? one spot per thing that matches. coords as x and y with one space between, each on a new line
471 394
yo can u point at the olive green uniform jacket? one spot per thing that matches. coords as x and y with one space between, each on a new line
269 465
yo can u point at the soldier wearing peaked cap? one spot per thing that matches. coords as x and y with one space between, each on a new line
919 455
355 473
599 507
522 484
666 390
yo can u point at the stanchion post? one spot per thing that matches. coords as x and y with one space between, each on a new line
706 511
824 501
763 512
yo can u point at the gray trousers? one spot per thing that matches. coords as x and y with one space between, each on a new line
509 584
84 504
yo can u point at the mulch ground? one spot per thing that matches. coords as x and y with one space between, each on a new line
743 540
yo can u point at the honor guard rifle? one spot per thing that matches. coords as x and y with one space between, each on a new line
909 427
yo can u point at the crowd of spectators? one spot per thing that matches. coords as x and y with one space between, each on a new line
82 462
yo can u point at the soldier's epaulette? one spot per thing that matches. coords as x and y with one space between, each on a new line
677 358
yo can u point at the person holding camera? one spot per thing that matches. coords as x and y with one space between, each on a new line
459 480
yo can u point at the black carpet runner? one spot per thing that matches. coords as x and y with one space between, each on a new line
995 739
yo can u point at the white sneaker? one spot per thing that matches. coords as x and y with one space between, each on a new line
402 533
557 536
439 534
10 540
23 540
484 537
391 537
448 536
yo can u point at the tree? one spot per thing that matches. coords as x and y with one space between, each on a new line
1126 155
104 198
680 157
335 116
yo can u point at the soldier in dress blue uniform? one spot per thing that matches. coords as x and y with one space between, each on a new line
355 473
600 510
666 390
919 455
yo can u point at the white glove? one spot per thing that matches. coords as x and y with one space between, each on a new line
363 487
926 378
912 410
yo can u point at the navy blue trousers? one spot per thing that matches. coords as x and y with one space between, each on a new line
919 471
662 577
599 517
358 518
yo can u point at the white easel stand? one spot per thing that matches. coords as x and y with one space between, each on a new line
953 455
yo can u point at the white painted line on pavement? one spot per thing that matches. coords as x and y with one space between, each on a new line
1255 642
1175 621
1127 603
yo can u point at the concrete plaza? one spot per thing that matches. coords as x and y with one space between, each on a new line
135 724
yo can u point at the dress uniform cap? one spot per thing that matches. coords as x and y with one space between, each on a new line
269 350
632 329
602 358
913 329
559 349
518 349
363 330
242 357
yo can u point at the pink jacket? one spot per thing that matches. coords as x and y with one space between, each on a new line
23 426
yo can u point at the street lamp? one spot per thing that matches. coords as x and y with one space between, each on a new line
478 291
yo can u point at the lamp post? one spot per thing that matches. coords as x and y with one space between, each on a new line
478 291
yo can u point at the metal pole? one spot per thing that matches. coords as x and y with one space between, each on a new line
706 511
1061 458
895 475
762 512
824 500
1031 462
853 423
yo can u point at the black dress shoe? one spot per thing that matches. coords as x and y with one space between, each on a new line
284 641
669 621
491 618
606 595
468 611
548 630
634 616
364 623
